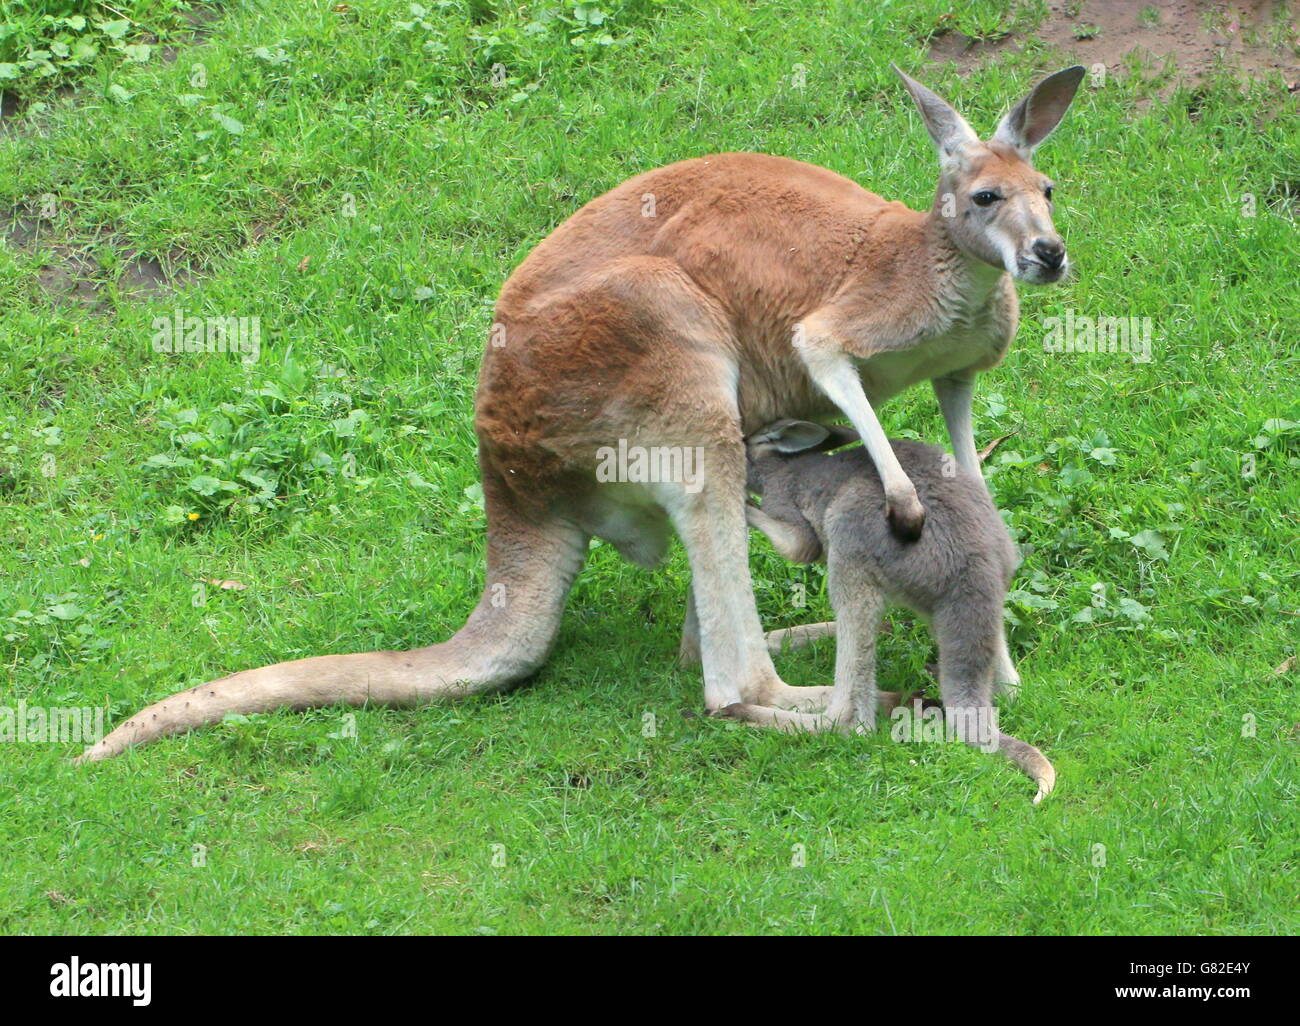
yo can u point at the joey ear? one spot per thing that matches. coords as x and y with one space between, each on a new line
789 436
947 128
1033 119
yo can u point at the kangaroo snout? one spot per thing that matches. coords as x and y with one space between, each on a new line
1051 252
1045 262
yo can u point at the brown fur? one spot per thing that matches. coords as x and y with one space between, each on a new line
760 288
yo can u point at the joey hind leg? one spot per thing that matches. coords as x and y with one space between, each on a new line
859 606
969 633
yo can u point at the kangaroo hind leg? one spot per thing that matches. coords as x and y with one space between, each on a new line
968 630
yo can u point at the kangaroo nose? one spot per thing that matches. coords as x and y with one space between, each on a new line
1051 253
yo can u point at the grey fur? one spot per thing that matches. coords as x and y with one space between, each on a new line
821 504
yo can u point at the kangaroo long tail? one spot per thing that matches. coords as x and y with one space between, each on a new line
1031 761
388 678
531 565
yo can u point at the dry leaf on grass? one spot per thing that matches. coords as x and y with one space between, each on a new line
987 451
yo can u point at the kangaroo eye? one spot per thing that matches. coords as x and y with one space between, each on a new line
1048 193
985 197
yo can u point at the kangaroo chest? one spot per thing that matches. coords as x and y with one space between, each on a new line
886 374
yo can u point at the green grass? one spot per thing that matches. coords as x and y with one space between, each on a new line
1158 595
45 44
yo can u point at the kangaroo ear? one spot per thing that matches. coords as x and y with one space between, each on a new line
947 128
1032 120
789 437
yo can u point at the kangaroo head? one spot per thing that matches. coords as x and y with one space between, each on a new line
995 206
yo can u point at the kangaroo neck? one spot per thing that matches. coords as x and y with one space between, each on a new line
964 284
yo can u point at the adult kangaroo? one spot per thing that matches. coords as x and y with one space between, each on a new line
678 313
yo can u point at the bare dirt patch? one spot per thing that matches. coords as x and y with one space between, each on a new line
1256 38
202 23
69 273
